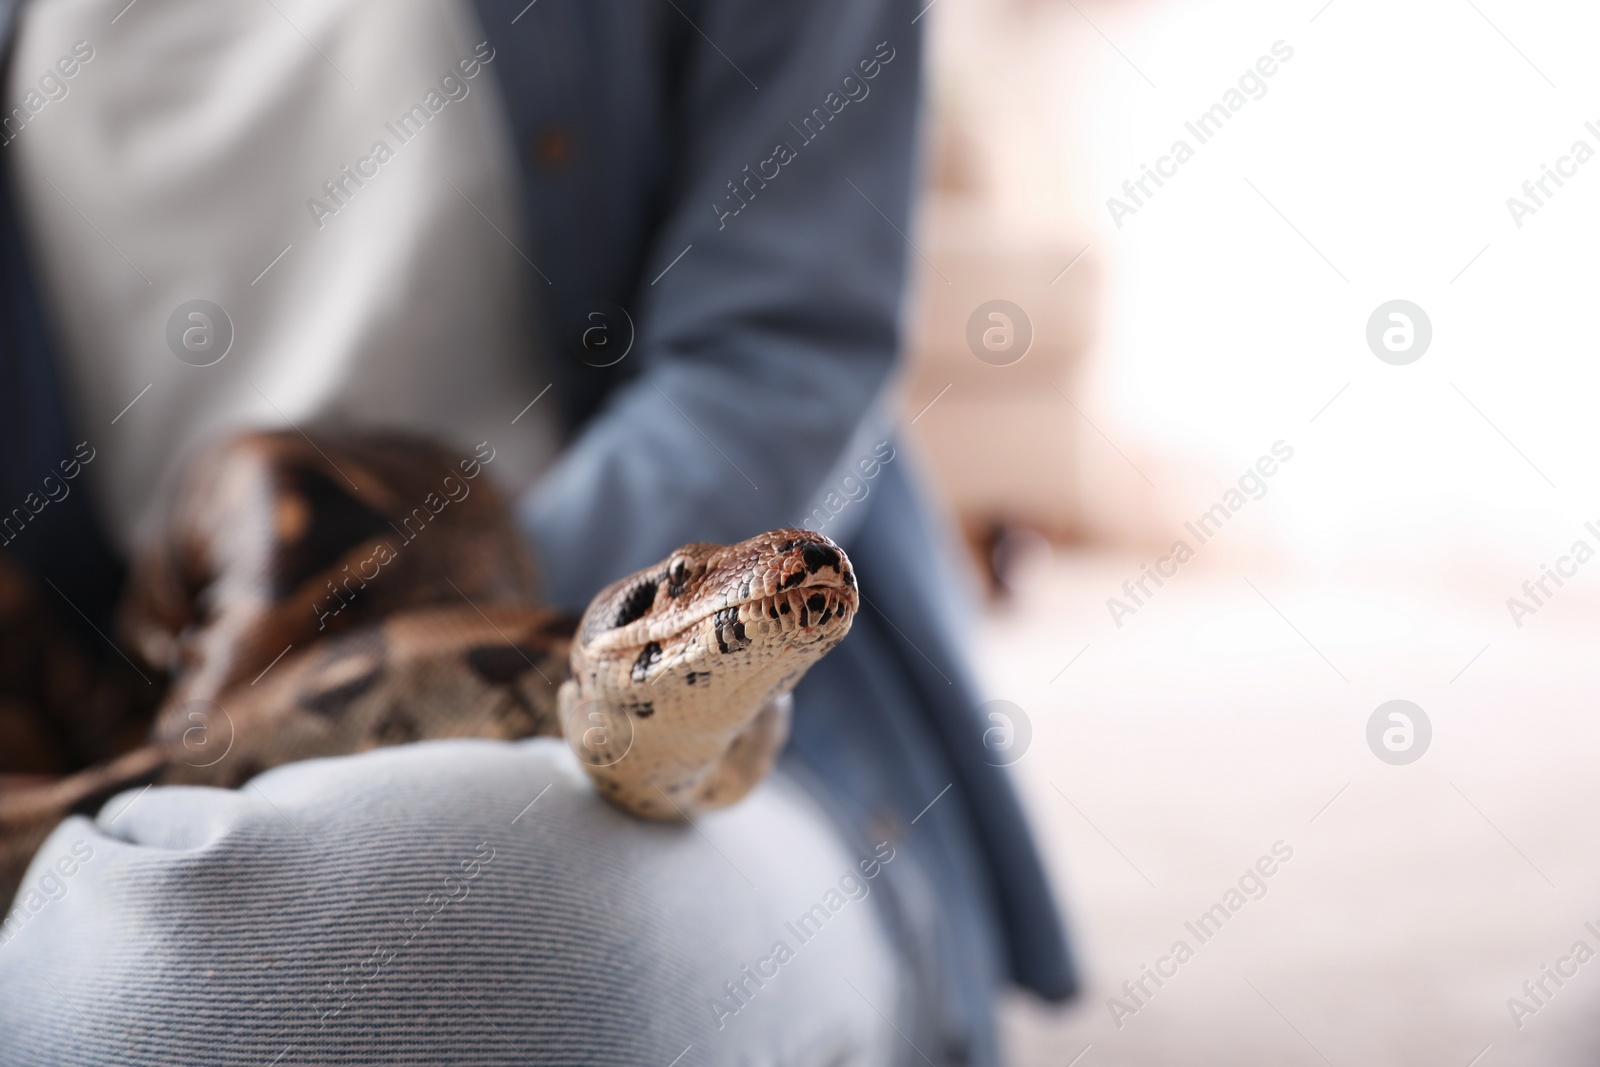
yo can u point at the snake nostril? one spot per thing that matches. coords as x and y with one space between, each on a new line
817 556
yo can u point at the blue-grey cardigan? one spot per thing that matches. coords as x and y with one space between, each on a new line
727 185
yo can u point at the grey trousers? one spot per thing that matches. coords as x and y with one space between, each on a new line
449 902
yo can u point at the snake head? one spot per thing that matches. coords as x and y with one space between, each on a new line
721 624
678 699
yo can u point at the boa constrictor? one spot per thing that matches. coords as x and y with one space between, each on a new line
323 597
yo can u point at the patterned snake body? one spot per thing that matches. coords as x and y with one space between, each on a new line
319 598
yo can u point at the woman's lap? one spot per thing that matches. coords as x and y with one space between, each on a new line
455 901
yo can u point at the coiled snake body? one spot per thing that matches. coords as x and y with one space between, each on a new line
322 597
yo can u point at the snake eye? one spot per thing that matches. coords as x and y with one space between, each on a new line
676 575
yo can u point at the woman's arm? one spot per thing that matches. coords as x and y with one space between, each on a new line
768 314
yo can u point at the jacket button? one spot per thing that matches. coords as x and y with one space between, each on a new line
552 147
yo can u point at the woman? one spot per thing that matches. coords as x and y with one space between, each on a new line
685 219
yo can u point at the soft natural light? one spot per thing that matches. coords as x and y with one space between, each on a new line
1239 292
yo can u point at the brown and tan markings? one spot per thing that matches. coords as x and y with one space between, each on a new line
318 598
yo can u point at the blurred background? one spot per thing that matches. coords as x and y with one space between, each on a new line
1180 731
1249 349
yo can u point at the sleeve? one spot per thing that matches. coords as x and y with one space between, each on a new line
769 313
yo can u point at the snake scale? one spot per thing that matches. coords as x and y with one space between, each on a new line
319 596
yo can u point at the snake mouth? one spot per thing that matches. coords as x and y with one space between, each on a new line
788 581
808 605
806 620
823 589
802 622
812 612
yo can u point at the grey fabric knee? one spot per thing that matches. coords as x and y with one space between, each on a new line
448 902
